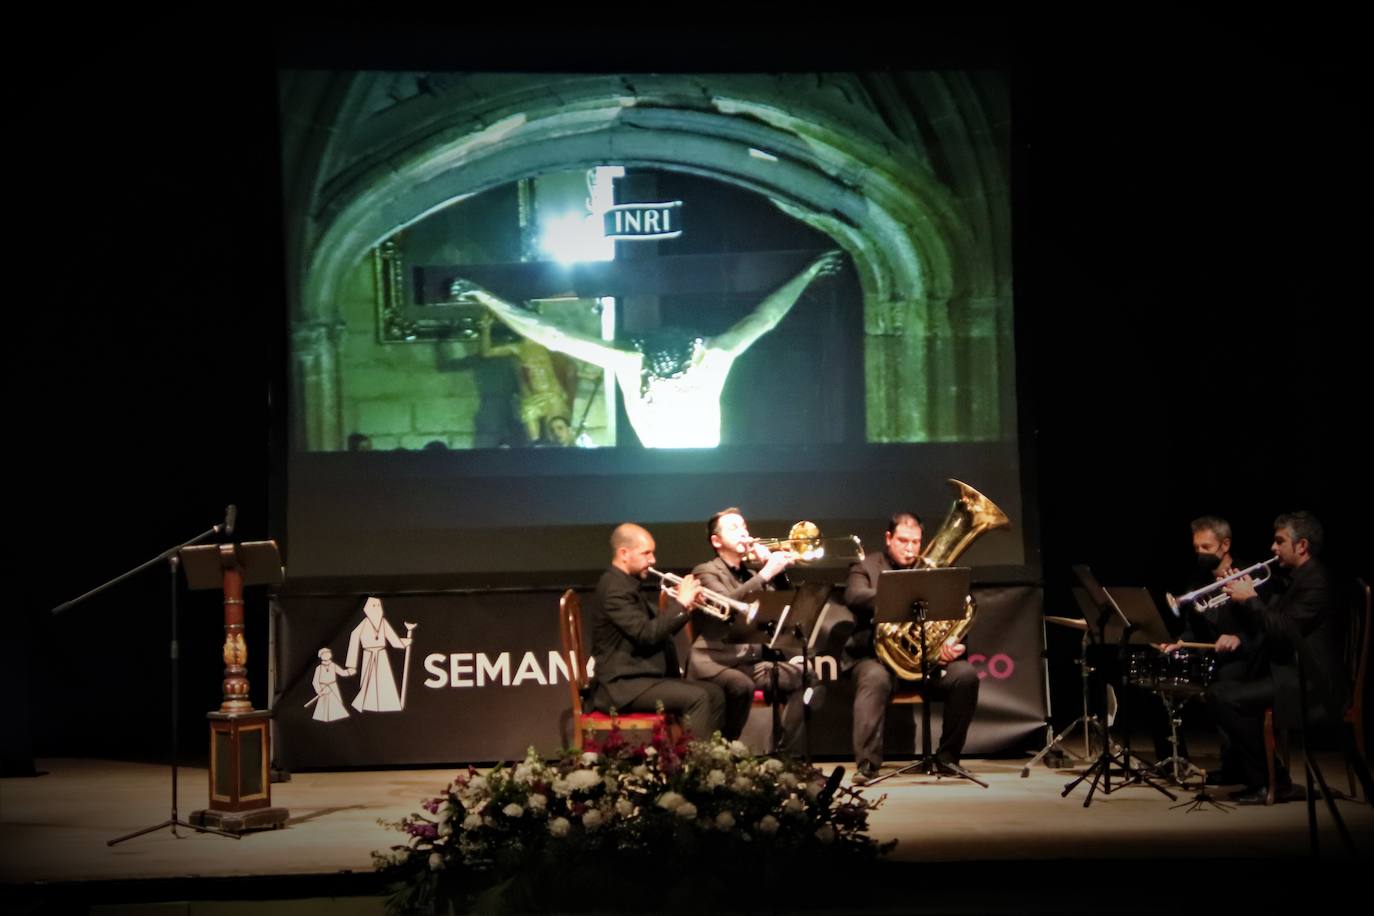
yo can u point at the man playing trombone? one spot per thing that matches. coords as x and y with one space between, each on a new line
1305 622
739 668
636 662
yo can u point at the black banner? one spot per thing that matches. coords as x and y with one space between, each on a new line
482 679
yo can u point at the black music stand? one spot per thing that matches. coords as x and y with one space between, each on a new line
923 596
797 629
1116 627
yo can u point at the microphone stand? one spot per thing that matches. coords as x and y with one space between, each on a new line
173 559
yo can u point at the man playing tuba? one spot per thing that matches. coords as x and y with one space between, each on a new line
955 681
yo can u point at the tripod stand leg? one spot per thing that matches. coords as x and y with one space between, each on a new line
1054 744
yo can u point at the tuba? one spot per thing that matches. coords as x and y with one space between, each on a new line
898 644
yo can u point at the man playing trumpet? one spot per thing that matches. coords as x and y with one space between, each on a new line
636 662
739 668
1306 622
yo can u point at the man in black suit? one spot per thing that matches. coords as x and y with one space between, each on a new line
739 668
955 681
1305 622
636 662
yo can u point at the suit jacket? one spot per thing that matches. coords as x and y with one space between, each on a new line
713 650
1307 620
860 591
631 642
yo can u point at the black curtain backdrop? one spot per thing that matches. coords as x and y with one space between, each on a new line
1190 204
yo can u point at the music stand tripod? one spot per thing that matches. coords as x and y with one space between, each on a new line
794 629
1112 621
922 596
173 558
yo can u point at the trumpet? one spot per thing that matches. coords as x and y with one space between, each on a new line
1203 599
714 603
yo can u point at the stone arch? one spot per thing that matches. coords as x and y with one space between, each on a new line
826 150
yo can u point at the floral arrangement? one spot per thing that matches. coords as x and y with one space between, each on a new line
623 826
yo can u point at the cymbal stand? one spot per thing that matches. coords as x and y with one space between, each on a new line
1088 721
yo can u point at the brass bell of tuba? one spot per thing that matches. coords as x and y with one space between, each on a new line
899 644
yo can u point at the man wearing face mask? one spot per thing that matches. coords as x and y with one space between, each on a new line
1235 640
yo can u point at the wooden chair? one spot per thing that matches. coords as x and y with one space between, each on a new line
574 652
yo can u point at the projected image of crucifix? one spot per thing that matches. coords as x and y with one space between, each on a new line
671 379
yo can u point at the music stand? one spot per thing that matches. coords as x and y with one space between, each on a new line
1116 626
922 596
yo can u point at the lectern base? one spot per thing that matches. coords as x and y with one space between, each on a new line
241 821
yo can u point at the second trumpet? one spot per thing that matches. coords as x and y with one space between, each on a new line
714 603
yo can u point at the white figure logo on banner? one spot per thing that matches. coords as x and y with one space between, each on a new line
376 683
328 702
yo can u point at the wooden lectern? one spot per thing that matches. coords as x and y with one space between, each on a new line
240 737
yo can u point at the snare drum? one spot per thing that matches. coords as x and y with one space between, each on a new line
1186 670
1142 666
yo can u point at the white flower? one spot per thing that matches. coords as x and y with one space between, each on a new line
640 772
522 773
489 820
794 805
445 828
624 807
672 801
772 765
826 833
686 810
769 824
787 781
513 810
715 779
720 752
744 784
472 822
725 820
477 784
612 784
650 752
739 748
590 758
559 826
560 787
583 779
592 819
436 861
538 802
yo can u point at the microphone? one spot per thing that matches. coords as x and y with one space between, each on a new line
230 516
831 785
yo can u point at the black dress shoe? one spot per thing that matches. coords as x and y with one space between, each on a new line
1223 778
1250 795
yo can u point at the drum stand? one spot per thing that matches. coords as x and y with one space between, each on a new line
1090 724
1183 768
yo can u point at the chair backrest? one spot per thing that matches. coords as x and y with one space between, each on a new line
1357 648
570 635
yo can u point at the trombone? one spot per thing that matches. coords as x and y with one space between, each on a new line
804 541
714 603
1204 600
